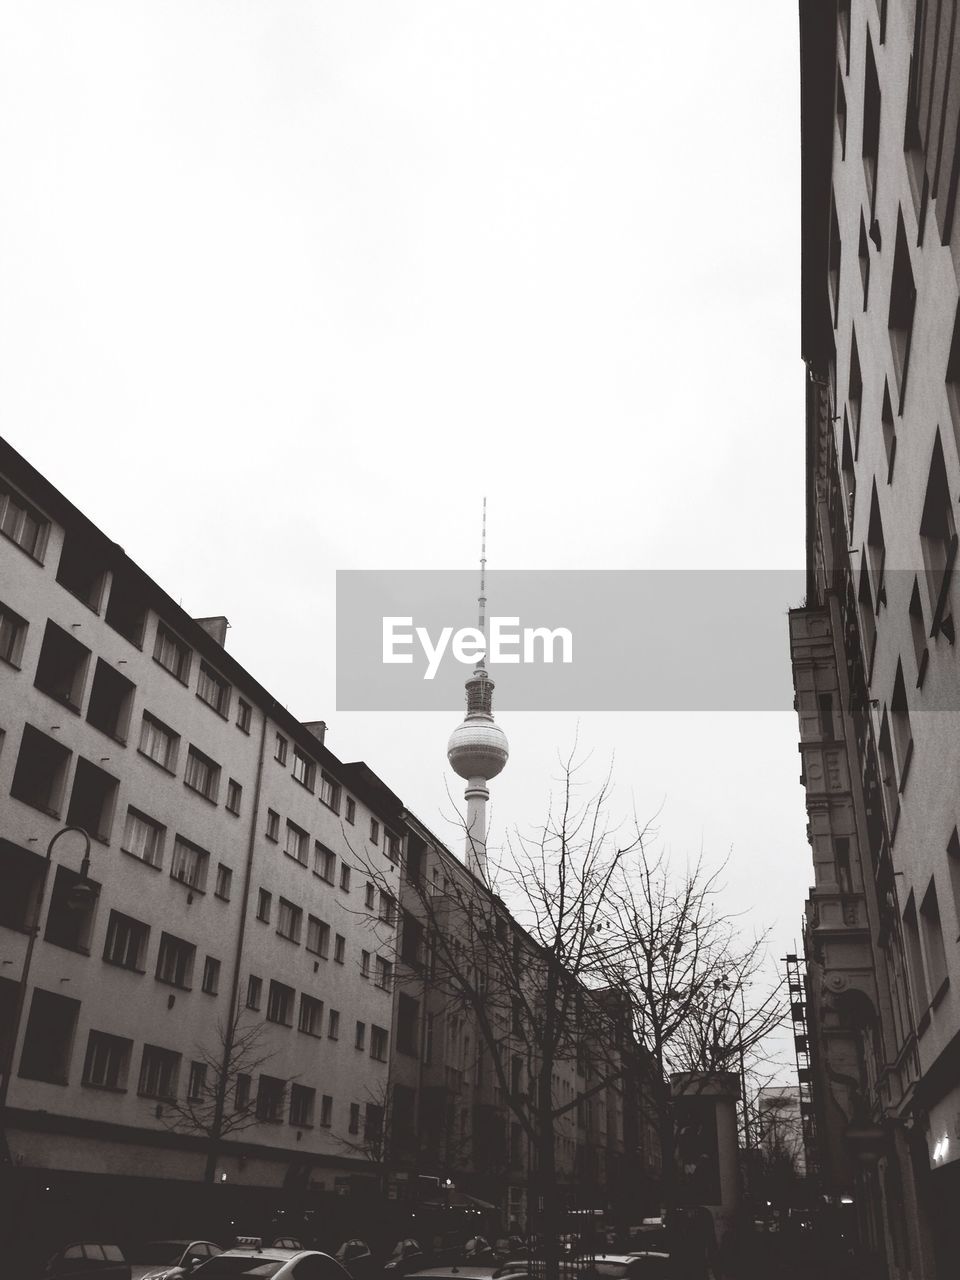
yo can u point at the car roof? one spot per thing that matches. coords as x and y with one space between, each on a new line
271 1253
470 1273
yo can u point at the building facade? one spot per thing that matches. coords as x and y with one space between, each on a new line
874 647
227 943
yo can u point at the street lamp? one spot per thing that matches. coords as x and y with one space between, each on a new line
81 895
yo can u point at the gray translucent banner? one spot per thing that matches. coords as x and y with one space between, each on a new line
622 640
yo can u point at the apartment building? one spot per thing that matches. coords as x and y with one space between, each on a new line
874 648
222 941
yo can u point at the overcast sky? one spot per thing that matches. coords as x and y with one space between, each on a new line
285 288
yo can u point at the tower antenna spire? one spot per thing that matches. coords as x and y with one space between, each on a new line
482 598
477 749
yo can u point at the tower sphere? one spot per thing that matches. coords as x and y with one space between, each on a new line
477 749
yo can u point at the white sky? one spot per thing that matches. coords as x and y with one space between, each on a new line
286 287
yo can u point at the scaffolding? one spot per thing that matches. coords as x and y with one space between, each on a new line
801 1044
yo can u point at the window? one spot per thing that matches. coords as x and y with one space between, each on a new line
62 667
159 1069
107 1061
211 976
876 548
364 964
48 1041
69 920
202 774
234 795
938 535
289 920
378 1044
126 608
273 825
311 1015
391 846
213 690
374 831
889 429
175 961
408 1024
297 843
931 933
23 523
888 774
172 653
354 1126
197 1081
339 948
411 940
241 1096
111 698
280 749
280 1003
903 298
244 713
384 973
863 254
92 800
264 902
330 792
368 896
143 837
843 25
13 632
373 1122
81 571
848 474
224 878
270 1098
351 813
254 991
833 262
868 621
189 864
324 862
388 908
158 742
318 937
855 391
953 863
126 942
361 1037
911 934
326 1111
953 377
304 770
333 1025
345 877
871 124
302 1101
900 726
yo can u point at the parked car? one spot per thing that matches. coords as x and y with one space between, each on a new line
250 1260
80 1260
407 1255
169 1259
356 1257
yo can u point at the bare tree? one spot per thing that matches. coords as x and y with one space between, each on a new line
511 984
219 1101
700 992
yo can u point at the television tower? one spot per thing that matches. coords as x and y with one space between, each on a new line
477 749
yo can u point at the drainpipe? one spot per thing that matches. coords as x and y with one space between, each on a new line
231 1024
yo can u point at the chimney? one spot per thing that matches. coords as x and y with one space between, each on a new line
317 727
216 628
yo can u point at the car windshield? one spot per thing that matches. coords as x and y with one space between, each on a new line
160 1252
226 1267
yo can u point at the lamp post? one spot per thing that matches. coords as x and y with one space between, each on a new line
80 896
